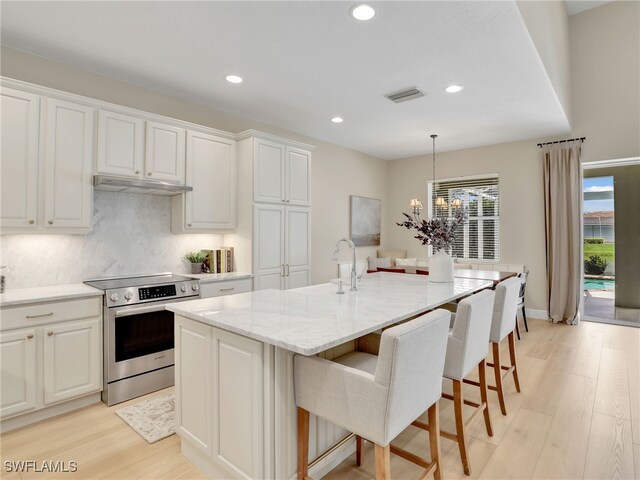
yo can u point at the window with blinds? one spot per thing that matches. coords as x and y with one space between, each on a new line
481 197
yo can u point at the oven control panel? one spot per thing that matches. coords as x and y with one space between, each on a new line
157 291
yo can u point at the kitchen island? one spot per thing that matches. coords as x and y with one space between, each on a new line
235 410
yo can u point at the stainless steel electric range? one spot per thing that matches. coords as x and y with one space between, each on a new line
138 332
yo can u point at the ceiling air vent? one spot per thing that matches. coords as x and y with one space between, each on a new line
404 95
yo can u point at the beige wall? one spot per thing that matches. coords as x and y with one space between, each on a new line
605 80
521 209
337 172
548 26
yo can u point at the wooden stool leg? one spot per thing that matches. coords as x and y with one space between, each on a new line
512 354
434 439
524 315
458 404
383 462
483 395
303 443
498 374
517 327
358 450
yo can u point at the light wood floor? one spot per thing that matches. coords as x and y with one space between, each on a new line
578 416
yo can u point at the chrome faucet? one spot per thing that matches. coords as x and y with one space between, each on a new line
354 273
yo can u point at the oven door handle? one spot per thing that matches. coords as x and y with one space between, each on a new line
138 310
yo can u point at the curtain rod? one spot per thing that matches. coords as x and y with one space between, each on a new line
582 139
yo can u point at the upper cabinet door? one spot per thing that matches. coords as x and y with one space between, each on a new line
298 178
165 153
120 144
68 161
269 172
19 160
211 171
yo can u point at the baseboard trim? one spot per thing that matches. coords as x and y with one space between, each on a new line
22 420
538 314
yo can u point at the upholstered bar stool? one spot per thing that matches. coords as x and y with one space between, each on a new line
503 325
377 397
468 347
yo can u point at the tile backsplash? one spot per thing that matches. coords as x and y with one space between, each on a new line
131 235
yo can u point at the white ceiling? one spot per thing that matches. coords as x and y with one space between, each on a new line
305 62
577 6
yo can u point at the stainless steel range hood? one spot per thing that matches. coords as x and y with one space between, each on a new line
114 183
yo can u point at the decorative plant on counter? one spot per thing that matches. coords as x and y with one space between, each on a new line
195 257
437 232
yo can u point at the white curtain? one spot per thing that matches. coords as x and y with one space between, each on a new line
563 204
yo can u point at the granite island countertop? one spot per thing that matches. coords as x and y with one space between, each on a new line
312 319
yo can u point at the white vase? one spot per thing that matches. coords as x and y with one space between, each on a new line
441 267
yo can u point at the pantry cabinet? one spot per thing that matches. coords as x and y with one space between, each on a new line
51 353
211 169
282 174
281 246
47 153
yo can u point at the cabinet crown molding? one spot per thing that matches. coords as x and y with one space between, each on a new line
273 138
113 107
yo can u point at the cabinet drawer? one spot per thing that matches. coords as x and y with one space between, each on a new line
229 287
48 312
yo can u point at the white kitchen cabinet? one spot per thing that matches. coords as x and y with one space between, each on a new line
281 246
226 287
20 128
72 360
18 367
68 192
120 144
211 169
223 417
165 153
51 357
282 174
46 164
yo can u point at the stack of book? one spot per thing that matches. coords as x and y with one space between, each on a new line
219 260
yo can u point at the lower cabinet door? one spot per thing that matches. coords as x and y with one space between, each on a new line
238 404
18 367
72 359
194 362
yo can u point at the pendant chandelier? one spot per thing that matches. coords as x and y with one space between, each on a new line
438 202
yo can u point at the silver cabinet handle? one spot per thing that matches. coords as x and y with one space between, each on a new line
282 270
149 173
188 224
30 336
283 200
49 333
287 269
137 171
40 315
31 222
50 222
288 201
227 289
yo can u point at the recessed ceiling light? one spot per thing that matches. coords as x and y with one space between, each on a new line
363 12
453 88
337 120
233 79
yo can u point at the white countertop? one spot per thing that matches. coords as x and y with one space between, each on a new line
219 277
21 296
313 319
